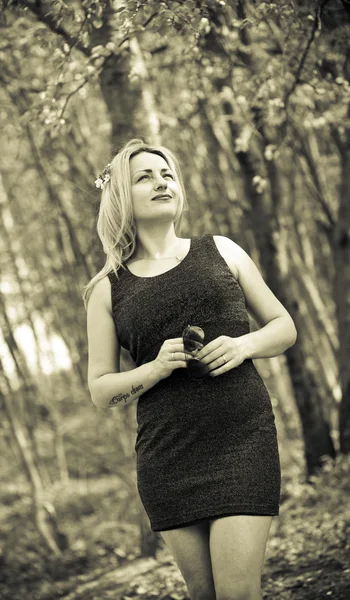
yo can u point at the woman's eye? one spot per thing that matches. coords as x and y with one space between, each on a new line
166 175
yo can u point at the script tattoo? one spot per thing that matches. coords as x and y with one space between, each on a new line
120 397
136 389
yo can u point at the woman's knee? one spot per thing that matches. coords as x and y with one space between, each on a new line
190 549
237 546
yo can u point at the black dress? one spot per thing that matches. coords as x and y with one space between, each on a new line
204 449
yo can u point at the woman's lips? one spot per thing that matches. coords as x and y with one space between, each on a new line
162 197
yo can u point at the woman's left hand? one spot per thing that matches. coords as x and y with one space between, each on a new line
222 354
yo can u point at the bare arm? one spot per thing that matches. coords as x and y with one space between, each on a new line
277 330
112 389
109 386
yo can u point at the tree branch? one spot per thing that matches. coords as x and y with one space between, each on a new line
51 21
315 27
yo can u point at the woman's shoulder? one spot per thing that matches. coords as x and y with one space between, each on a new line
223 241
229 251
101 293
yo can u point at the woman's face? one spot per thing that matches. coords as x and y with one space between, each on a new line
151 176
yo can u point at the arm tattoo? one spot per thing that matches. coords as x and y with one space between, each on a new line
120 397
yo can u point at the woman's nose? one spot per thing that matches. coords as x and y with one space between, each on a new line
160 182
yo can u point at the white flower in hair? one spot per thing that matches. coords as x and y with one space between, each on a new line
105 176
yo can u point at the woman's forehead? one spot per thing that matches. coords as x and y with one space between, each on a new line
146 160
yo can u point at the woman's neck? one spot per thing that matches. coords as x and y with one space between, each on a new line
156 244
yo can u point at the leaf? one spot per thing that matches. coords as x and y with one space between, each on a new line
97 23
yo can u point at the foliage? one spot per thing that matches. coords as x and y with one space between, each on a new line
211 38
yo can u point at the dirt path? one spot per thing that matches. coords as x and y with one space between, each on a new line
149 579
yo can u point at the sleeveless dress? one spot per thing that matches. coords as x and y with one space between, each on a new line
205 448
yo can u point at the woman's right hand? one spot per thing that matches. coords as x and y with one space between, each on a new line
171 356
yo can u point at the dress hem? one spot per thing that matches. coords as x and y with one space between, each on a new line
240 509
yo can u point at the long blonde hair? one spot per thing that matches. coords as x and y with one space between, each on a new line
115 223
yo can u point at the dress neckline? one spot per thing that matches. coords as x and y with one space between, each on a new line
164 272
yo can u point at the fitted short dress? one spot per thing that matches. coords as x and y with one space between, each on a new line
204 449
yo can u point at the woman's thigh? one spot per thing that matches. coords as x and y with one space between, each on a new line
189 546
237 548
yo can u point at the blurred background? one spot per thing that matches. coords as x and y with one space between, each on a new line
254 99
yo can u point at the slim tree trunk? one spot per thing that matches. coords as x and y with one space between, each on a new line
124 99
312 401
43 511
149 112
341 253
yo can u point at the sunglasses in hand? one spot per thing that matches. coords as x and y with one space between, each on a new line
193 338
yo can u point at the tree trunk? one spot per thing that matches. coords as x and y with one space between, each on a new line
277 377
339 238
311 399
149 113
341 253
43 511
124 98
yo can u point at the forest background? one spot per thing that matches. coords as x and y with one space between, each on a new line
254 99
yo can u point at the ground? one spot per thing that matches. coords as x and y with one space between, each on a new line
307 558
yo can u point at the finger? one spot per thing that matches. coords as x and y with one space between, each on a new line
211 356
175 345
180 356
183 356
176 341
208 348
179 348
223 369
218 371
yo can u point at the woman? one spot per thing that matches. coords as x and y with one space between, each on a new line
208 468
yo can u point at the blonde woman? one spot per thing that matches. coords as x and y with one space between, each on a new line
208 468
